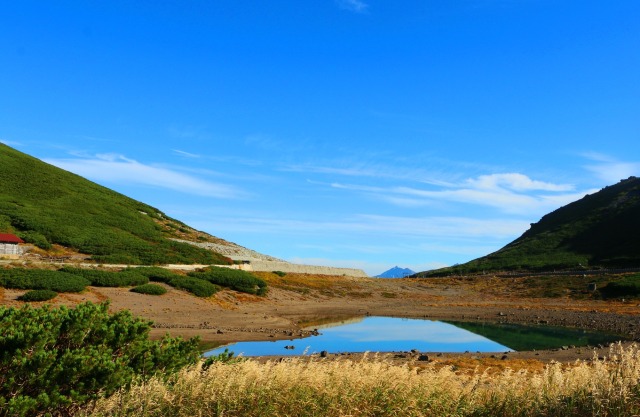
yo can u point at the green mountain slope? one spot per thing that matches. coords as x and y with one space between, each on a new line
600 230
46 205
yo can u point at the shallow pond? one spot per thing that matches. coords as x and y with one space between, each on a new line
388 334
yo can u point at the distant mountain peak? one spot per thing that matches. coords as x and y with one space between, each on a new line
396 272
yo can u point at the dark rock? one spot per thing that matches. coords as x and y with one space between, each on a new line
423 358
324 354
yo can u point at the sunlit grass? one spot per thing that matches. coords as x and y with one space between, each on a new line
318 285
376 387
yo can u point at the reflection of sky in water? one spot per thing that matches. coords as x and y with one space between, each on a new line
375 334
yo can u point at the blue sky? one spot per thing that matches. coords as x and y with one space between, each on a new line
356 133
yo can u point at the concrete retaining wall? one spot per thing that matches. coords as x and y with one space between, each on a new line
268 266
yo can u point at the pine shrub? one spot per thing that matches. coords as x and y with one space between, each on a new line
235 279
156 273
38 295
42 279
150 289
196 286
99 278
55 360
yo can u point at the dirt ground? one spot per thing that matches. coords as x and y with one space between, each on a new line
297 301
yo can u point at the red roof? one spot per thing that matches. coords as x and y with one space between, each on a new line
9 238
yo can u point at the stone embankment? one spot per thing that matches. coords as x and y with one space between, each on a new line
258 265
255 261
232 250
286 333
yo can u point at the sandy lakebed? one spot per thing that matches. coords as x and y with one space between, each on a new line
302 301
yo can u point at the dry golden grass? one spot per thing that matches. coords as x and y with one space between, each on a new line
314 281
319 285
298 387
492 366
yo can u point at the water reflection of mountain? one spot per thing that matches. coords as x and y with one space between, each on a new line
521 337
341 322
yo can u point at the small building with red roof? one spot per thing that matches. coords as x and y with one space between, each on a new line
10 246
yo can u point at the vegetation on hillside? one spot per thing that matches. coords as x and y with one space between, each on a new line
46 205
102 278
235 279
41 279
70 279
54 360
196 286
600 230
628 287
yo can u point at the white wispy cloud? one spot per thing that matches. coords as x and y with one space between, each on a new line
509 193
187 154
501 199
610 169
115 168
360 169
446 226
357 6
376 225
515 181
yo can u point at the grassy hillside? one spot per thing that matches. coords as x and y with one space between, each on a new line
600 230
46 205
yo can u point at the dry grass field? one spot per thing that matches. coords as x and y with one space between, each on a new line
374 387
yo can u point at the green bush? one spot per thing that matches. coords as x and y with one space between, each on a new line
627 287
99 278
38 295
156 273
235 279
196 286
36 238
41 279
151 289
280 273
54 360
